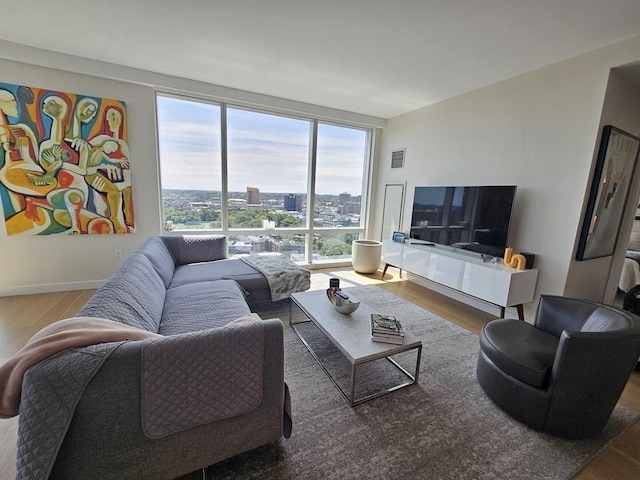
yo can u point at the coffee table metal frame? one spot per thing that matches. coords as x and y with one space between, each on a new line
341 331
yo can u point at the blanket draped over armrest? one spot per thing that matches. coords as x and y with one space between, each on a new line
68 354
54 338
284 276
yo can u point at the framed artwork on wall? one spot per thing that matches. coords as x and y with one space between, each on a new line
399 237
64 163
612 176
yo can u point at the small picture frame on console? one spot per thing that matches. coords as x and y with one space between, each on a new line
399 237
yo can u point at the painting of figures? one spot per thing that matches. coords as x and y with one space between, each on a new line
64 163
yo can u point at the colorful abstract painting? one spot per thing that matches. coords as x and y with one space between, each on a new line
64 163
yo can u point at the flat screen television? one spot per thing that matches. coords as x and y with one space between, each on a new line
475 218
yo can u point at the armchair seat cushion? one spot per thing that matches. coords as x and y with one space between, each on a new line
520 350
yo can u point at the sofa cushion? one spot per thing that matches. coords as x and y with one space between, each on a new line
196 248
160 257
199 306
227 269
134 295
519 349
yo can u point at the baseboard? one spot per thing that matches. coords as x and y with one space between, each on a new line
459 296
50 288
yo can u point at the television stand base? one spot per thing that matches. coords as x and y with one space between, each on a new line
489 282
519 308
387 265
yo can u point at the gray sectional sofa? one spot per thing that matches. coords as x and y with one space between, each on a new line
210 388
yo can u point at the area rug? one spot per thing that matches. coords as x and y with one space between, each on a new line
442 428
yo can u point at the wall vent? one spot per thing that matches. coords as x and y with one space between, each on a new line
397 158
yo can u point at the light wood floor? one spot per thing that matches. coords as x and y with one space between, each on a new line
23 316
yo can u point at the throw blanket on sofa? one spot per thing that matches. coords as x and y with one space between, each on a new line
284 276
52 339
69 353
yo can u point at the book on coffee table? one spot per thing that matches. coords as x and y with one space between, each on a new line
386 328
386 325
383 339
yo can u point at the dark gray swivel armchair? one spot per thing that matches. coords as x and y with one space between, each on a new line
565 373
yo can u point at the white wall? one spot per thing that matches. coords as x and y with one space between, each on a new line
60 262
537 131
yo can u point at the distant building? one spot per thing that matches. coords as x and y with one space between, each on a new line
253 196
251 244
239 247
351 207
237 204
198 205
292 202
263 244
344 198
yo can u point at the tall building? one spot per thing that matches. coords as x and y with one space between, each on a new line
253 196
344 198
292 202
351 207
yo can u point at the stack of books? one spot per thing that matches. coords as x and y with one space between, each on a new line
386 328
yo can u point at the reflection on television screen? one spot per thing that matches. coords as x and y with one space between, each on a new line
474 218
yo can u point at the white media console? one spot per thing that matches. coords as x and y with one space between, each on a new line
471 274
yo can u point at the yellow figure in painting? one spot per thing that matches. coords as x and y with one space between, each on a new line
18 170
20 151
108 172
64 163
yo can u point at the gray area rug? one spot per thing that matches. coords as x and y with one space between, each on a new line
442 428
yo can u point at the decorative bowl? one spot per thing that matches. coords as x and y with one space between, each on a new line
347 308
342 305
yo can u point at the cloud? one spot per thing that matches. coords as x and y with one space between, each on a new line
266 151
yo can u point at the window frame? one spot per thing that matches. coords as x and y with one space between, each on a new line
309 230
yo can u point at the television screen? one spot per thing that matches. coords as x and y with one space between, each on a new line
470 218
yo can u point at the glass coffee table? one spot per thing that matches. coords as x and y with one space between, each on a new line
351 335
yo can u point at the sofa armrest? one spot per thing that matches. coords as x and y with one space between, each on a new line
226 363
188 249
106 433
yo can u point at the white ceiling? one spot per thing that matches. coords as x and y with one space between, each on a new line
379 58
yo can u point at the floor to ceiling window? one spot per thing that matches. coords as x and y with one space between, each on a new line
269 182
339 183
189 138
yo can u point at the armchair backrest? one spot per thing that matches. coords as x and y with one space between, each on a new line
598 348
557 314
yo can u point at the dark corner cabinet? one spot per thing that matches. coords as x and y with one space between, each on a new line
470 274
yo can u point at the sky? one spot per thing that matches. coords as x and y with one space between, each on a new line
265 151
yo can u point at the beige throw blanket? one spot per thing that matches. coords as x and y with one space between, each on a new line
54 338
